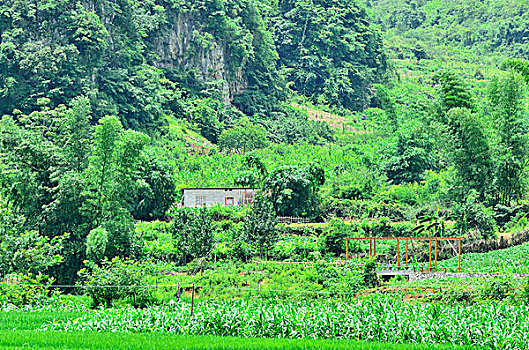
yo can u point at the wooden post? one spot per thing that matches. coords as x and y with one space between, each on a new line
459 256
435 255
430 256
407 254
398 254
346 249
370 249
192 299
375 248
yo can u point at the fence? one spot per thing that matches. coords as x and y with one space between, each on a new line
240 290
435 240
292 220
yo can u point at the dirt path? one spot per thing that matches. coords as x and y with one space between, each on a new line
334 121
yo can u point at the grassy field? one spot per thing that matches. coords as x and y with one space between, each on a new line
56 340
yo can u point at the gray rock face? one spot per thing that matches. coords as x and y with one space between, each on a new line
184 46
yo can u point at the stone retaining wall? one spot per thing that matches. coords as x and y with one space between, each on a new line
428 276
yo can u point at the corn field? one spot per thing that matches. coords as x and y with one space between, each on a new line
379 319
509 260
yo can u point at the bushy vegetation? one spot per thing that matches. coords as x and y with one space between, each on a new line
421 28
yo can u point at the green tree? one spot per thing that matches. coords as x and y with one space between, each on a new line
75 134
154 190
193 232
244 137
256 173
293 190
48 50
113 165
26 252
506 95
452 92
204 114
260 225
518 65
332 240
293 126
469 151
29 160
97 244
409 154
330 50
111 179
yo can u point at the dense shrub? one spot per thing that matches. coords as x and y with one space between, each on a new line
406 194
332 239
338 282
296 248
504 215
384 228
154 241
409 154
472 215
233 213
498 289
259 229
26 289
96 244
299 230
193 233
228 240
117 280
294 190
370 274
345 208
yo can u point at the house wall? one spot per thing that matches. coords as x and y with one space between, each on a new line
214 196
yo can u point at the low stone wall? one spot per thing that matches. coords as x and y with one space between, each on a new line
429 276
483 246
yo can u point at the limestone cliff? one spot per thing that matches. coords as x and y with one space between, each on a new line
182 44
179 41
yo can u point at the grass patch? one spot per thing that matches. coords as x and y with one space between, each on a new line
56 340
33 320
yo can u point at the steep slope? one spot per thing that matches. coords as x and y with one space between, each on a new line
119 52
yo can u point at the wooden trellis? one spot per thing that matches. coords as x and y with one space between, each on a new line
435 240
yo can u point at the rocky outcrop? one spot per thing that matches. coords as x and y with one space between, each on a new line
182 44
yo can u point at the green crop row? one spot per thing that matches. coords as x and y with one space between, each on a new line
379 319
509 260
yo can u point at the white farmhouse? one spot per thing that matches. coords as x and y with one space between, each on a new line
208 197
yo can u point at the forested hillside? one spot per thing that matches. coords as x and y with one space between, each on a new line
75 76
145 60
435 27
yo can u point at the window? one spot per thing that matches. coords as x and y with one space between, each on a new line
229 201
247 198
200 201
